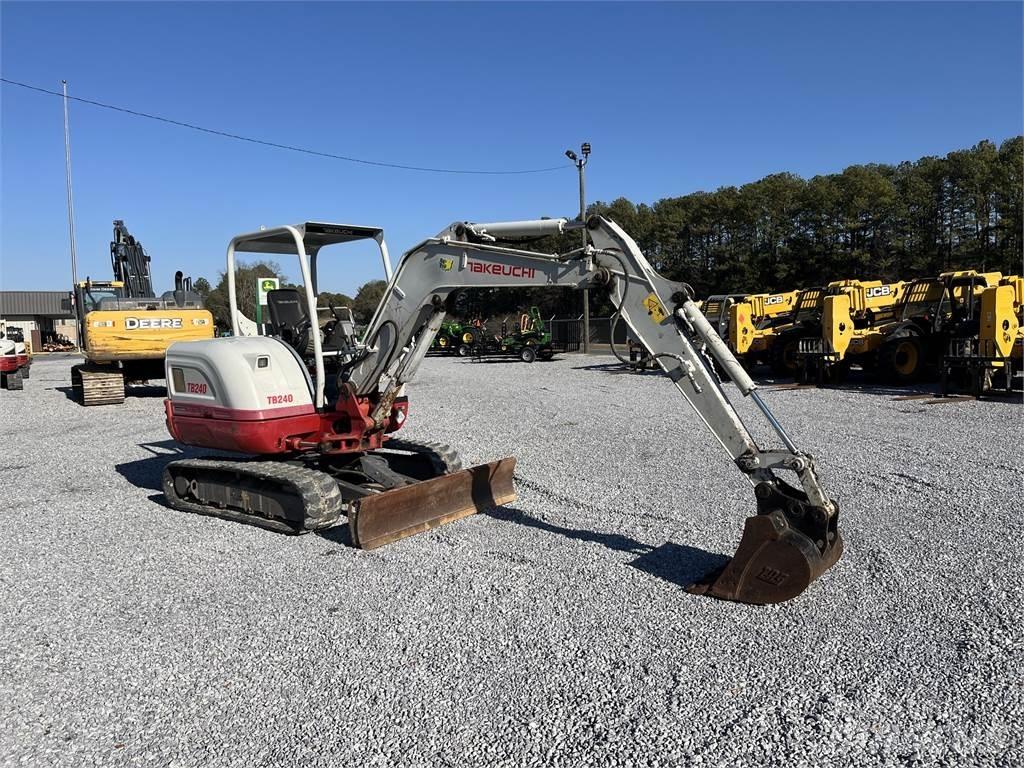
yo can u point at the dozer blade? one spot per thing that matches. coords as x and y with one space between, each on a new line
785 547
392 515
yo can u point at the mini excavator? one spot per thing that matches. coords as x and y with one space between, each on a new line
316 408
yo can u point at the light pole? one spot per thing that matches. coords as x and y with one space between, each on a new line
71 207
581 163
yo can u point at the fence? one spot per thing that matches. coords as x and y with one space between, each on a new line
567 334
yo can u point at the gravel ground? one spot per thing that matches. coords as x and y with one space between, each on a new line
551 632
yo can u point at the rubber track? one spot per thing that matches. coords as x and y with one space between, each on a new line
444 458
321 500
13 380
98 387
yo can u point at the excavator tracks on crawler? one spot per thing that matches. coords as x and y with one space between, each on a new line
444 459
97 385
270 494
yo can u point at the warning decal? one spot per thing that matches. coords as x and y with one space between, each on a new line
655 309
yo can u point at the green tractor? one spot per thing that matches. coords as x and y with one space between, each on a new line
455 337
530 341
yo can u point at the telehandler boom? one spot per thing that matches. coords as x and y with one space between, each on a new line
318 407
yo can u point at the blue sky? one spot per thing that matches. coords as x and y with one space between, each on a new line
673 97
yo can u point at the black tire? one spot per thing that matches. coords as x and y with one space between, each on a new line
901 360
784 356
834 374
528 354
869 363
806 371
545 353
25 371
981 380
464 350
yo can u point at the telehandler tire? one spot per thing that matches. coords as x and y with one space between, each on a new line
784 356
833 375
901 360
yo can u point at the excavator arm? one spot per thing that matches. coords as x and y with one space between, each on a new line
794 537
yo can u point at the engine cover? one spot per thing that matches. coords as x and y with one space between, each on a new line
246 394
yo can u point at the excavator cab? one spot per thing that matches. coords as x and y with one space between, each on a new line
325 345
289 319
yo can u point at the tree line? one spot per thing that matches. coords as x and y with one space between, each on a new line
890 222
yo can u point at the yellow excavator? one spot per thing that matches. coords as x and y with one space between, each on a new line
125 328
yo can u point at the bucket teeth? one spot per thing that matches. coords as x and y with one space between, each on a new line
382 518
785 547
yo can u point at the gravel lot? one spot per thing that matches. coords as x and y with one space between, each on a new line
551 632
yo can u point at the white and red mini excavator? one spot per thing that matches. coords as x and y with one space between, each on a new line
316 406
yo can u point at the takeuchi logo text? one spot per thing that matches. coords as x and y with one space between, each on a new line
505 270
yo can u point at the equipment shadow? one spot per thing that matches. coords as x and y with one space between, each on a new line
68 392
145 390
339 534
678 564
618 368
132 390
146 473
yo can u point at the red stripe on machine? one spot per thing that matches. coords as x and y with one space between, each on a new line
200 411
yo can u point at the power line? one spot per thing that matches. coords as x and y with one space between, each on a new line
276 145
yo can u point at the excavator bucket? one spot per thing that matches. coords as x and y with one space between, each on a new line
386 517
785 547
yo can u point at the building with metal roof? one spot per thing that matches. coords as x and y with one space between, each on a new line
51 304
39 315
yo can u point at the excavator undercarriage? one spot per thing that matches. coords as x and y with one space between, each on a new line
316 406
310 493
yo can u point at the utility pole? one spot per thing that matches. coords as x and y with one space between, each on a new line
581 163
71 206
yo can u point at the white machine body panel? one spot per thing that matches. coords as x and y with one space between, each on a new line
253 374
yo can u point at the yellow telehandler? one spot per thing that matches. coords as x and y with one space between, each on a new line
991 359
933 312
850 313
752 323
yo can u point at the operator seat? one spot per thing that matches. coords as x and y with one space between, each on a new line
290 320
